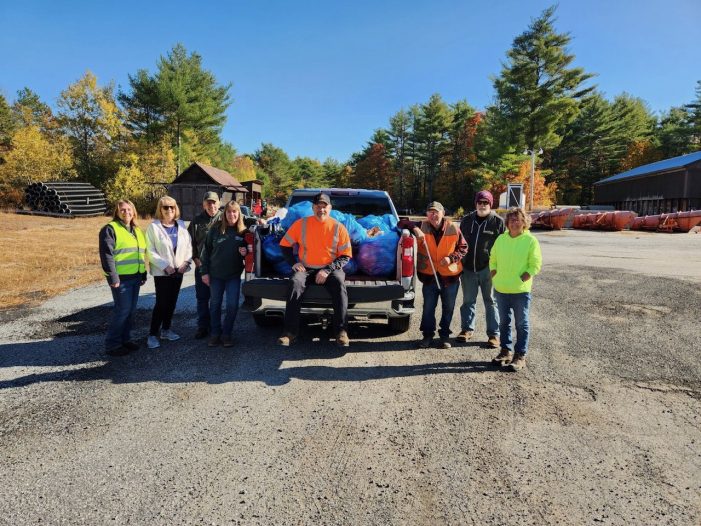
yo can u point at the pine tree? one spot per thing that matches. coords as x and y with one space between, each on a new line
694 119
538 91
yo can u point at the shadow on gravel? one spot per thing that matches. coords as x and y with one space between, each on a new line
255 357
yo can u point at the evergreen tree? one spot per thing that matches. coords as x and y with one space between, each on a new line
694 118
279 170
432 137
309 173
29 110
7 125
399 133
538 91
674 133
182 101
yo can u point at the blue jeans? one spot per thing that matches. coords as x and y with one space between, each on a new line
519 304
125 298
447 294
471 283
202 294
219 287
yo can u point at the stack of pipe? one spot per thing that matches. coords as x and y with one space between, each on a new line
65 198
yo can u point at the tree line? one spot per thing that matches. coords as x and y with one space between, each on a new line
127 141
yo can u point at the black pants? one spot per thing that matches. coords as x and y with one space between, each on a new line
335 284
167 290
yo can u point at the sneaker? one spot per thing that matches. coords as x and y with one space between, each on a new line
214 341
503 358
167 334
152 342
117 351
226 341
426 342
202 332
464 336
493 342
342 339
444 344
518 363
286 339
131 346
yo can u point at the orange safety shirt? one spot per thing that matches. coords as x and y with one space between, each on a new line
445 248
320 242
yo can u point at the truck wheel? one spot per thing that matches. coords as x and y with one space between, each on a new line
401 324
266 321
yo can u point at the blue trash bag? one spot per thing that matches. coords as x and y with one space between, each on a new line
283 268
351 267
390 221
272 250
356 231
295 212
370 221
377 256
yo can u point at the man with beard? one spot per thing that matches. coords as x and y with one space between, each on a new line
481 229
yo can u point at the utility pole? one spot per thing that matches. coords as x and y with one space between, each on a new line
532 152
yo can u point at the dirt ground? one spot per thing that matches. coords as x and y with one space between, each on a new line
602 427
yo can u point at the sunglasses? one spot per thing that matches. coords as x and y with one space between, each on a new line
482 202
168 207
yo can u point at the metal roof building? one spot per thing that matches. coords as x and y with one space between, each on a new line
671 185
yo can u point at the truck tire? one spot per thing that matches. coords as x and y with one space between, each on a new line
401 324
266 321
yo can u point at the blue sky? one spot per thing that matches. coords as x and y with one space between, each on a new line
316 78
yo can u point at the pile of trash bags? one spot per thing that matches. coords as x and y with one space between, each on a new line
374 240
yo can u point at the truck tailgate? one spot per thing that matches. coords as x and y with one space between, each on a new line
359 290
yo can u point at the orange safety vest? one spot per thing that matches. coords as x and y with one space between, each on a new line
320 242
446 247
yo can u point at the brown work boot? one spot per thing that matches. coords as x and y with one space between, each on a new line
286 339
493 342
464 336
214 341
227 341
503 358
518 363
342 339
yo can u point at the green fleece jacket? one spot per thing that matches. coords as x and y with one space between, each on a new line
511 257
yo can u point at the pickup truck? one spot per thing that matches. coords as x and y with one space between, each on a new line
387 298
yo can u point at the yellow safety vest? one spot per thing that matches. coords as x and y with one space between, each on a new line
129 250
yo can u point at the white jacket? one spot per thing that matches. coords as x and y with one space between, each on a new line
159 249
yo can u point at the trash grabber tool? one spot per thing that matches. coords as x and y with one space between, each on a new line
435 274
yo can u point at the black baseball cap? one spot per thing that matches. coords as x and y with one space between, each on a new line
321 198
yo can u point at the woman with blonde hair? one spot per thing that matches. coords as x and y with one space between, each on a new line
122 248
514 261
170 256
222 265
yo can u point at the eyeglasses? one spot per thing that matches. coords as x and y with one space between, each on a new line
167 207
482 202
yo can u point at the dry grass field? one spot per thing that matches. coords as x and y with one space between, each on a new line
44 256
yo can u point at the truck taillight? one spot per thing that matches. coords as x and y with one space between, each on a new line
248 238
407 254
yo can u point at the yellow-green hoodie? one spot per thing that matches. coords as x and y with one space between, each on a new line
511 257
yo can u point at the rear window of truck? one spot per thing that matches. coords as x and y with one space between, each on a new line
358 205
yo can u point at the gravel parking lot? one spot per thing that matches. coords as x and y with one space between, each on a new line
603 426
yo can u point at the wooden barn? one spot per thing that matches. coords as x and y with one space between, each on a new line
671 185
189 187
